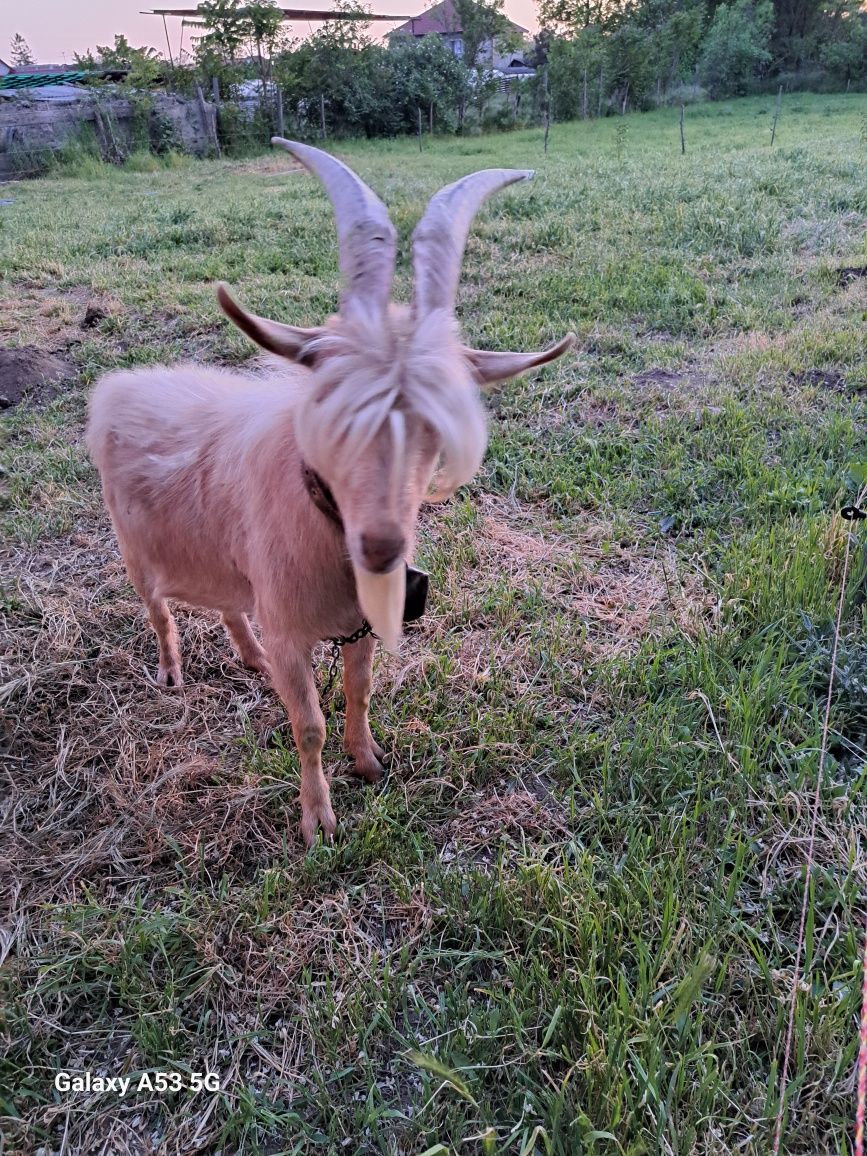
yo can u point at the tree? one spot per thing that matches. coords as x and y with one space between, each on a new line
22 57
143 65
736 47
481 22
570 16
235 30
844 52
426 75
265 21
570 61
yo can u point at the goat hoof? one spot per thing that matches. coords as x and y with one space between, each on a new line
257 662
170 675
369 769
316 816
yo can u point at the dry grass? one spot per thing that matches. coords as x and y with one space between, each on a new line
107 774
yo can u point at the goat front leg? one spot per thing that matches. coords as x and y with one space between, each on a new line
358 742
292 676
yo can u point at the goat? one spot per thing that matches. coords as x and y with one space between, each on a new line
206 473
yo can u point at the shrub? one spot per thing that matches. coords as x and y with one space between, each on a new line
735 50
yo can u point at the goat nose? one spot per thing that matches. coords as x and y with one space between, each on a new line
380 551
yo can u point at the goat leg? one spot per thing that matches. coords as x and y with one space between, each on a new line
358 742
162 620
292 676
249 651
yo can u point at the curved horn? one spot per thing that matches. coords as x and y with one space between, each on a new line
441 235
366 237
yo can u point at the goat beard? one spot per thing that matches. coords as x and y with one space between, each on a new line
382 598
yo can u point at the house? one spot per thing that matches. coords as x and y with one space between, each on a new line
444 21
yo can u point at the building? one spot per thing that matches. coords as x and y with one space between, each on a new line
444 21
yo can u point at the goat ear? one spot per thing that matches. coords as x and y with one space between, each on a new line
491 367
285 340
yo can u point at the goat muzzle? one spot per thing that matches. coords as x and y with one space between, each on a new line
381 552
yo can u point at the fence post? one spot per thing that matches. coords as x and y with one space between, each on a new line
584 101
776 115
209 120
547 110
682 141
280 131
322 114
418 110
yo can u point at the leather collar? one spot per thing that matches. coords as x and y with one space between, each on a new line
321 496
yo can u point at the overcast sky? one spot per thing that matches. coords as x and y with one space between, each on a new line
56 29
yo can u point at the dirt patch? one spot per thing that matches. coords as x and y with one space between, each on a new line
490 819
669 378
850 273
32 374
53 320
821 378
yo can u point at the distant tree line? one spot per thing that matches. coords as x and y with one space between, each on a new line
613 54
593 58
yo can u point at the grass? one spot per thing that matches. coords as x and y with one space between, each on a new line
567 922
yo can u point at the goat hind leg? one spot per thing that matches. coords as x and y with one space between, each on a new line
249 651
169 669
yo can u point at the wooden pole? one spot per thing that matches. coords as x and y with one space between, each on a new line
169 45
322 113
280 127
682 141
776 115
431 118
584 101
547 110
418 110
600 90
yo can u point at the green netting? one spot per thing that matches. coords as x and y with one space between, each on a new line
41 79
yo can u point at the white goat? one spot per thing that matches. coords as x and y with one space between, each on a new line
215 480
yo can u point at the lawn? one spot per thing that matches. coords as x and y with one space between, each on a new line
567 921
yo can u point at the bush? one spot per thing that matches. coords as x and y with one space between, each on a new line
735 50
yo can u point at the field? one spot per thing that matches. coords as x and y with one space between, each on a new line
567 921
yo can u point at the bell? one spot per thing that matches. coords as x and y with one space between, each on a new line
416 594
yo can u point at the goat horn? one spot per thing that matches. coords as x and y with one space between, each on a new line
366 237
441 235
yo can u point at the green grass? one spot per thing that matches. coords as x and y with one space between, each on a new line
567 921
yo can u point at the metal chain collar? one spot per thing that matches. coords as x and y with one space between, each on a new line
337 645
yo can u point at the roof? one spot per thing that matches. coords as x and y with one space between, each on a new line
442 20
191 15
42 77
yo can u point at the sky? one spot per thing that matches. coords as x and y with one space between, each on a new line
56 29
